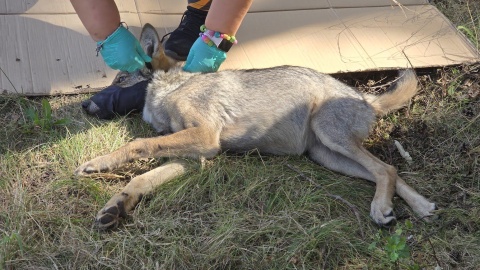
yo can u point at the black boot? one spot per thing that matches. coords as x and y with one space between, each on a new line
181 39
115 100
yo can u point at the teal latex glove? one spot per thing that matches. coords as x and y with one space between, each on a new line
121 50
204 58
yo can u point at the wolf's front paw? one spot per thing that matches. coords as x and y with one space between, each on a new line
109 217
97 165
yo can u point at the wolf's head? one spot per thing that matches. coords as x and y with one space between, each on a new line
127 91
152 46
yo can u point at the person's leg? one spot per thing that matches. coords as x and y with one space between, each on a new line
181 39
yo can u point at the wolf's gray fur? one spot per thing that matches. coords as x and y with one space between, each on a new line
282 111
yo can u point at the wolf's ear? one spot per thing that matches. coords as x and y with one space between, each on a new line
150 43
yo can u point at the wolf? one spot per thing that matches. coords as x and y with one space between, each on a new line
285 110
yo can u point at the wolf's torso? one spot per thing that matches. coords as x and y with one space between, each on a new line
264 109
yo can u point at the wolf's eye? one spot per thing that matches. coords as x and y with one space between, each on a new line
120 79
145 72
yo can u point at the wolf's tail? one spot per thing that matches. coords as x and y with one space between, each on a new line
397 95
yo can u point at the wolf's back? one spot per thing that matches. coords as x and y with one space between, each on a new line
397 95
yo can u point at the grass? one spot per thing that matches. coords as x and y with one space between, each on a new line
465 15
246 211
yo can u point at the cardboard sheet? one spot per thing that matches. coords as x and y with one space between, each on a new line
45 49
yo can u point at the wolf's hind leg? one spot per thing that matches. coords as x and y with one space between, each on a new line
338 162
340 125
381 209
419 204
123 202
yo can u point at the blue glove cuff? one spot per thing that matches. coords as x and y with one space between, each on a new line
115 33
204 58
121 50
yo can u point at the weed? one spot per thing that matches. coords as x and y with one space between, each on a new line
42 120
10 242
465 14
395 246
470 34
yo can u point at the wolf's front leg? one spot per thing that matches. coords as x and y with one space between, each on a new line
123 202
192 142
139 148
102 164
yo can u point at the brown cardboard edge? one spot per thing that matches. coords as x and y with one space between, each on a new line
94 90
73 91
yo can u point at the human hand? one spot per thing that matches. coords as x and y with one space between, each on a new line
121 50
204 58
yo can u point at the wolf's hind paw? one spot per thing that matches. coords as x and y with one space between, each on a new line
427 211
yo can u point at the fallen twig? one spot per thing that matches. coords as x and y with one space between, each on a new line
434 253
402 7
403 153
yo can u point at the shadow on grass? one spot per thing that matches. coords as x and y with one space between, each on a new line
242 211
21 133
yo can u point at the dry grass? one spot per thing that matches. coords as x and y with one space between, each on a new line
247 211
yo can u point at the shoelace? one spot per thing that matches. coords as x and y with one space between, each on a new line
181 21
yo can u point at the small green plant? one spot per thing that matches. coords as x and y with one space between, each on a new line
44 119
470 33
455 83
9 241
395 245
